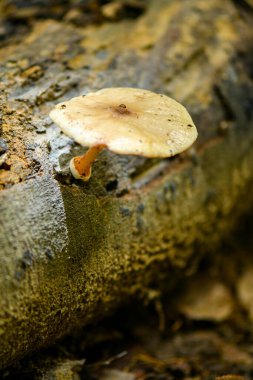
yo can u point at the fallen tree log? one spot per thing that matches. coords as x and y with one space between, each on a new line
71 252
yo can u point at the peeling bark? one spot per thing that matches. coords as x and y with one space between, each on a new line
71 252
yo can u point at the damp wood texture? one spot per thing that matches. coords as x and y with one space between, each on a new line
72 252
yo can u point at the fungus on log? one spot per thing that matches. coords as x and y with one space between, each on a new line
126 121
71 252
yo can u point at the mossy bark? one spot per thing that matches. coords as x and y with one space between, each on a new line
70 251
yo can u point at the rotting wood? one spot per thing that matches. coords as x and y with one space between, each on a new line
72 252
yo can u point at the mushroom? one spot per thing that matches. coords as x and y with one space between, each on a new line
126 121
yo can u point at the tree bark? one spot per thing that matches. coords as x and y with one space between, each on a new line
71 252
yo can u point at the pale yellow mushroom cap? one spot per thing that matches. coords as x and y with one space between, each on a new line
127 121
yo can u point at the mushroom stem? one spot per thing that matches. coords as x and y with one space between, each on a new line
80 166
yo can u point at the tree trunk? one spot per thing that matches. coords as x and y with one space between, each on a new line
71 252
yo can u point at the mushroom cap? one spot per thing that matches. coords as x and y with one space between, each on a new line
127 121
